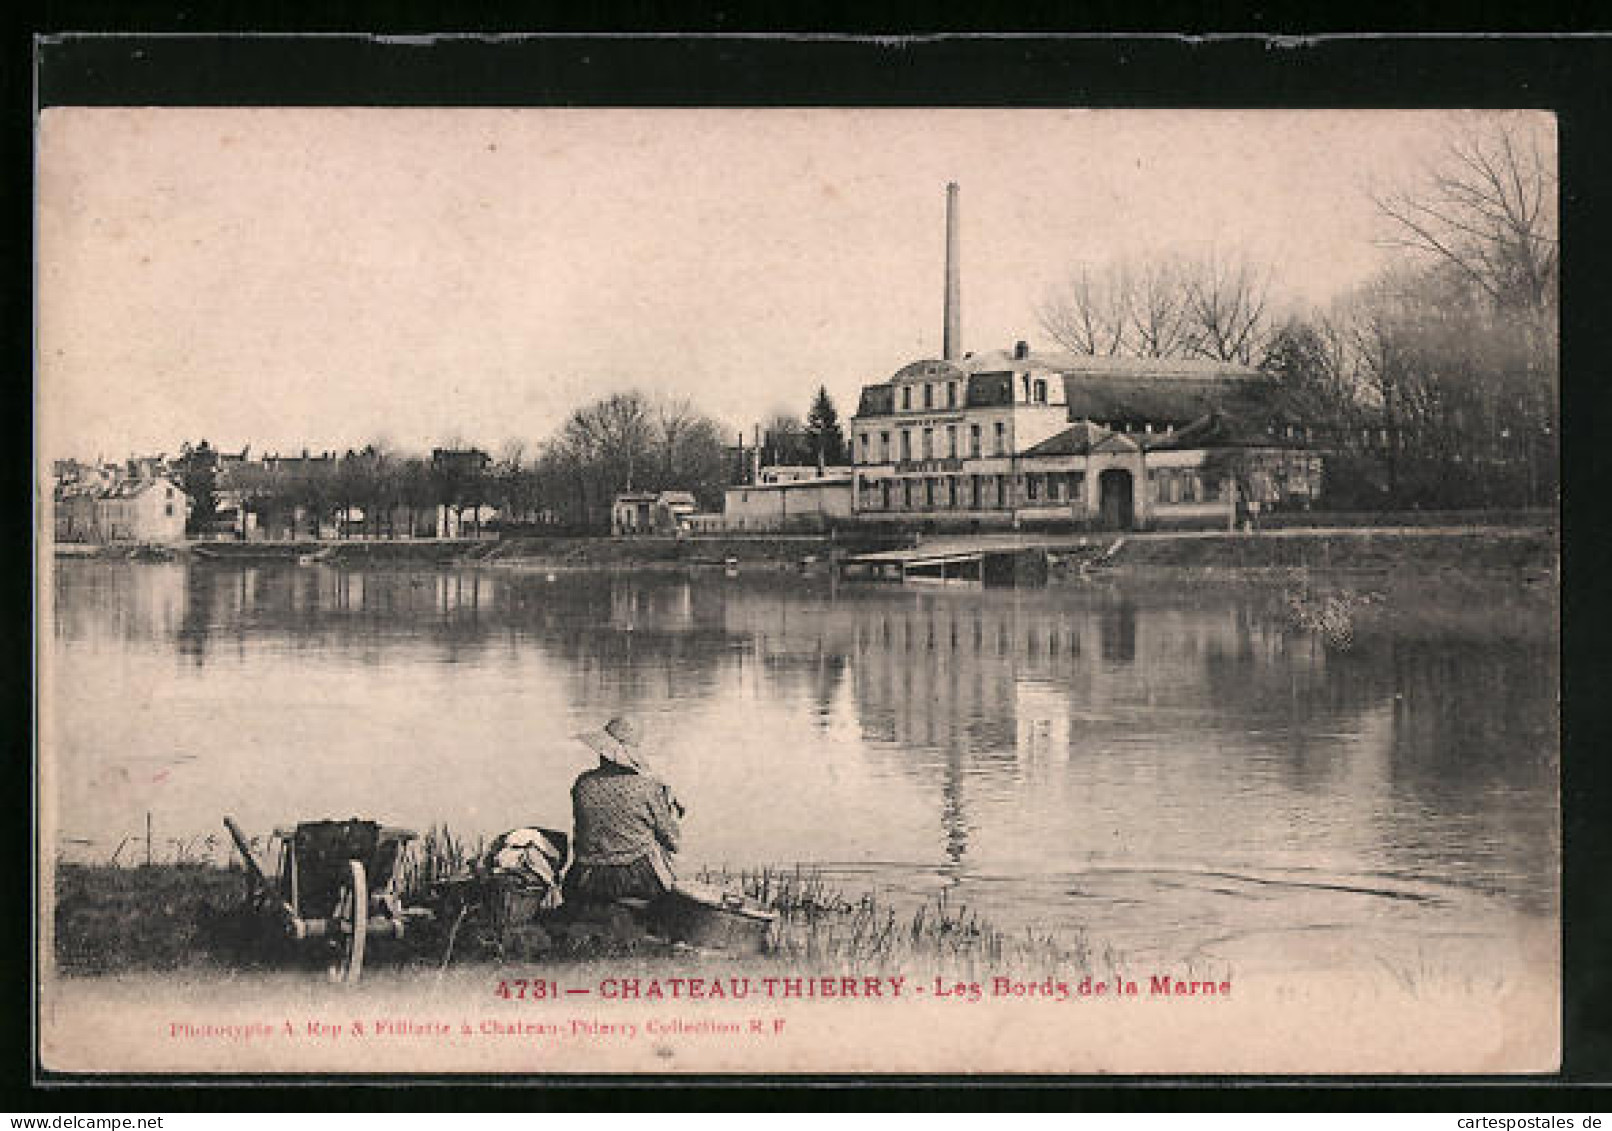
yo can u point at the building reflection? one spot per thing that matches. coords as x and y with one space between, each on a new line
1163 721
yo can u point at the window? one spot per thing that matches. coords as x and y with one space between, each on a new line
951 491
906 493
1001 487
929 442
884 447
951 394
1001 439
1040 391
929 396
865 446
929 492
906 444
884 494
1055 487
906 398
169 510
951 441
1077 480
974 440
1032 487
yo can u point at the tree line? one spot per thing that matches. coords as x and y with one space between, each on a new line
624 442
1443 369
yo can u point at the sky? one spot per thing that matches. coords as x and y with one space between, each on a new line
326 278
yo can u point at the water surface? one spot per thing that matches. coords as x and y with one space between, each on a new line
1183 775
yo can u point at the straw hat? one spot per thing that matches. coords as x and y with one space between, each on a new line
620 742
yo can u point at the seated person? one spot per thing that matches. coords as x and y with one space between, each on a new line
626 823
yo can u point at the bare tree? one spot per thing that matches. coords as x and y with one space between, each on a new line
1160 308
1486 206
1090 313
614 433
785 440
1166 306
1227 297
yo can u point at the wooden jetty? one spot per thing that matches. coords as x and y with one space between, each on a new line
980 566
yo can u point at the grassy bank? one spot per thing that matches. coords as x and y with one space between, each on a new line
160 917
614 553
168 917
405 551
1530 550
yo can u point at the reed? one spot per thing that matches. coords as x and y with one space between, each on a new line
821 925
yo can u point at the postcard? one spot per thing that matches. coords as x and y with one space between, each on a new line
573 591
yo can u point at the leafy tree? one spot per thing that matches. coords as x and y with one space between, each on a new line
823 430
198 478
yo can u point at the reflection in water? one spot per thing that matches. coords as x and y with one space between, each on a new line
1002 733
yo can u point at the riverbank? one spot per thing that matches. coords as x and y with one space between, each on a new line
1519 549
164 918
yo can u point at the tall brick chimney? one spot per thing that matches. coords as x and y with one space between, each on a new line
953 342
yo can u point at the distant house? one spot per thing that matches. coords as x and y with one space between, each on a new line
75 513
148 511
651 512
465 461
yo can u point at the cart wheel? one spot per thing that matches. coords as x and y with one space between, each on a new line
352 925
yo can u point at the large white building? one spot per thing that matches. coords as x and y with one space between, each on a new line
1014 436
1009 437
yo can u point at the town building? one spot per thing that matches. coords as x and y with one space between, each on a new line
1014 437
143 511
1010 437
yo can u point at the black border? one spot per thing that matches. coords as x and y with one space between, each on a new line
1569 75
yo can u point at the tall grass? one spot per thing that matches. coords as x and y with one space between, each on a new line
438 855
820 925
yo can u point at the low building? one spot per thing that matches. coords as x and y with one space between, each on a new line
788 504
652 512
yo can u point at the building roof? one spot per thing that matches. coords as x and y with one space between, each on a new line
1076 440
135 487
1219 430
1168 391
1178 401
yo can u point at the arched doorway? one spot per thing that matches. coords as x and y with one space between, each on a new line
1115 499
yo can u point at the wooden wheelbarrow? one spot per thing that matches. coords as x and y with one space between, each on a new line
336 886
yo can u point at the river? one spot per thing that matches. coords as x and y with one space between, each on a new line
1185 776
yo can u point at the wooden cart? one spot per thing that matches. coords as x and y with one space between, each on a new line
336 885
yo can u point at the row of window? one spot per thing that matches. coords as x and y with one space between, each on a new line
927 438
1180 485
970 492
929 395
982 492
